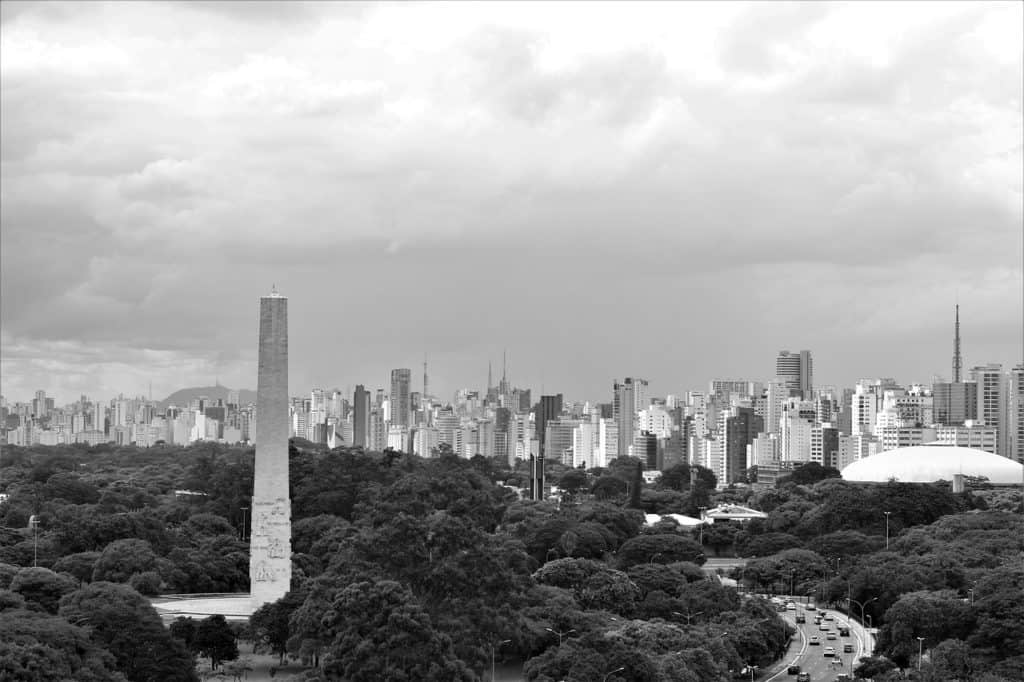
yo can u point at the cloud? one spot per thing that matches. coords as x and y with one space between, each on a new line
672 188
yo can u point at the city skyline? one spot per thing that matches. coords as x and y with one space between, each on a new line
667 191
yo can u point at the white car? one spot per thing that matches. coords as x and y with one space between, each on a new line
829 651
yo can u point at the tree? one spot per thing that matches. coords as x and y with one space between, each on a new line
368 619
573 480
79 565
183 629
36 646
123 558
123 622
808 474
269 623
608 487
663 549
215 640
42 588
936 616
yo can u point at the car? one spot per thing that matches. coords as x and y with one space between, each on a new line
848 648
830 635
829 651
844 631
823 627
793 670
800 618
844 677
815 641
828 616
836 661
791 606
803 677
810 607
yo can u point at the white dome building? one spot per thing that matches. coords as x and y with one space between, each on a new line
930 463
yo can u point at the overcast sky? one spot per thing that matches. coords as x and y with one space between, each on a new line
674 191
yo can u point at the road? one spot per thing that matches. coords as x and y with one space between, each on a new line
811 658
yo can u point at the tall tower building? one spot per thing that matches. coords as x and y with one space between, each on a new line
1015 415
400 397
630 397
548 409
270 560
796 371
361 417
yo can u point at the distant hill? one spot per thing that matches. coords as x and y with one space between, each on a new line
184 396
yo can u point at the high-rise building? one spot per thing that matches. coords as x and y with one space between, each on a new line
796 371
741 428
1015 415
954 403
630 397
270 563
548 409
400 397
992 401
360 416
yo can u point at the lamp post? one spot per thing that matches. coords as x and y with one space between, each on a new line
655 556
887 529
861 605
971 593
792 581
617 670
920 652
34 522
244 509
504 641
560 634
688 615
702 509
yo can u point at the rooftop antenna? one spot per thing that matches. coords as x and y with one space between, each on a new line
957 360
425 377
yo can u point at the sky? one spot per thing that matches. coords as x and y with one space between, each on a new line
673 191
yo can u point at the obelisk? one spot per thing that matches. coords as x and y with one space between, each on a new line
270 549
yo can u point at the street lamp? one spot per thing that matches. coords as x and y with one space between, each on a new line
617 670
655 556
971 593
887 529
861 605
792 581
920 651
702 510
244 509
560 634
504 641
688 615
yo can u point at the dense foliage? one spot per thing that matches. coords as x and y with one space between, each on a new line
423 569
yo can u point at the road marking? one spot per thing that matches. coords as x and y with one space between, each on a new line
803 648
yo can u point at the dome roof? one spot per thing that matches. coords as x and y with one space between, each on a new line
929 463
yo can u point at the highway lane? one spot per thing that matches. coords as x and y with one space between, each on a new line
811 658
